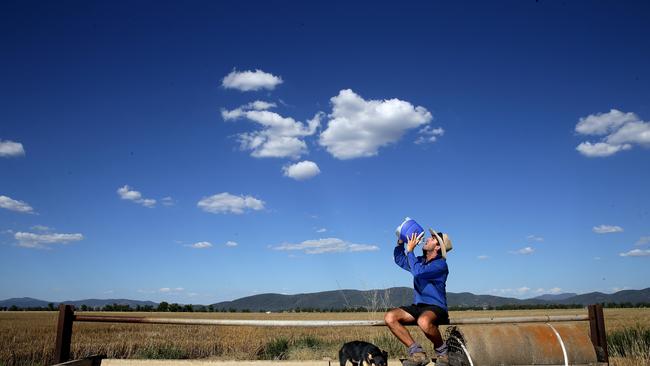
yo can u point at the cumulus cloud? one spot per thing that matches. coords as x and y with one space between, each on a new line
250 80
15 205
524 251
604 123
621 131
358 127
260 105
302 170
327 245
169 290
553 291
41 241
228 203
41 228
201 245
167 201
10 148
606 229
231 243
511 291
600 149
280 137
126 193
636 253
643 240
429 134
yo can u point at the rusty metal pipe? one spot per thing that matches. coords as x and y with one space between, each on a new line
521 344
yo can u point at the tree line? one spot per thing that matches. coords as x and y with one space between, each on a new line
189 308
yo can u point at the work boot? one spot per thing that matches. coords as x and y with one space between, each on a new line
442 360
416 359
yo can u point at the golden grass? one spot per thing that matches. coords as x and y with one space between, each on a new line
27 338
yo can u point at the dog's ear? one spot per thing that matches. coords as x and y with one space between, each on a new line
385 354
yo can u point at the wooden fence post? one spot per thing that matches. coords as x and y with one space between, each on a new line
64 333
597 332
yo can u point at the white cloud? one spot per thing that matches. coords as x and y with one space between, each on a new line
41 228
643 240
169 290
524 251
511 291
606 229
280 137
261 105
228 203
600 149
301 171
637 132
31 240
10 148
617 289
250 80
327 245
126 193
636 253
429 134
231 243
167 201
534 238
200 245
604 123
358 128
483 257
14 205
621 131
321 230
553 291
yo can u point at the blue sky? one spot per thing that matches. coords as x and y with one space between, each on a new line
207 151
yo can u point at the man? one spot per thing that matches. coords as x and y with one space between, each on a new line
430 306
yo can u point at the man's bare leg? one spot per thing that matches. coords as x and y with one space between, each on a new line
427 322
395 320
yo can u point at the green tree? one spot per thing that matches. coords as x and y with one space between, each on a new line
163 306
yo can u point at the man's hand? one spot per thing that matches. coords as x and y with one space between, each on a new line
413 241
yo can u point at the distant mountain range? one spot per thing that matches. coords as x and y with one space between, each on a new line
398 296
28 302
555 297
371 299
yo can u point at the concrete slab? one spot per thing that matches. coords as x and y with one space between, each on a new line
116 362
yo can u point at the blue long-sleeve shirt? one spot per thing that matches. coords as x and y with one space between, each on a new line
429 278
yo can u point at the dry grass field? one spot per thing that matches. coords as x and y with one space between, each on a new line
27 338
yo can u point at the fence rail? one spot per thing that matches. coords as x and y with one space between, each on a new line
67 318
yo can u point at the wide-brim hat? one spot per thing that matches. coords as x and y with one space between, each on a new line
443 239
